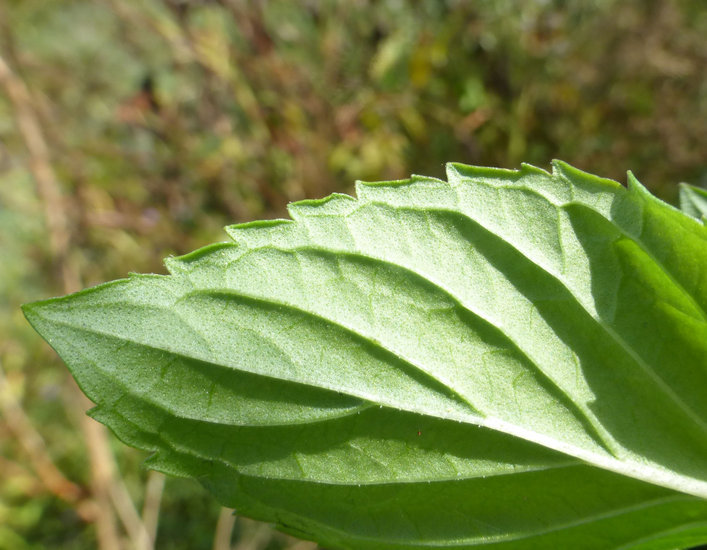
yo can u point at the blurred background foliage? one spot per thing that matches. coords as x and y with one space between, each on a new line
133 130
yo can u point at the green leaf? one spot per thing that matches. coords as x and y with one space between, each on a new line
512 359
693 200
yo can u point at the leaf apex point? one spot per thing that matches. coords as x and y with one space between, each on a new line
31 311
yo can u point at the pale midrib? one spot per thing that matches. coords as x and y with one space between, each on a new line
672 481
610 462
347 412
659 382
694 487
169 444
141 397
371 399
217 292
602 438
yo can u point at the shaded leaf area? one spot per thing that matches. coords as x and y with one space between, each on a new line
382 481
693 200
511 358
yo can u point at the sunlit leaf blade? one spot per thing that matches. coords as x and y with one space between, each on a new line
693 200
511 359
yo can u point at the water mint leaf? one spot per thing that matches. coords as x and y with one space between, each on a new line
512 359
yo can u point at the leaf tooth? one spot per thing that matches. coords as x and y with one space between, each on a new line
235 231
634 185
257 224
264 233
570 175
529 169
365 190
177 265
414 191
363 185
415 178
336 204
459 173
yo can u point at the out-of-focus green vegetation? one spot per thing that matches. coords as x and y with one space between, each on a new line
166 120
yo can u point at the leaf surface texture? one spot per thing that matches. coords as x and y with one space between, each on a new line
510 359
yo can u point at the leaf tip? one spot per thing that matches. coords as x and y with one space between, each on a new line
33 312
28 310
